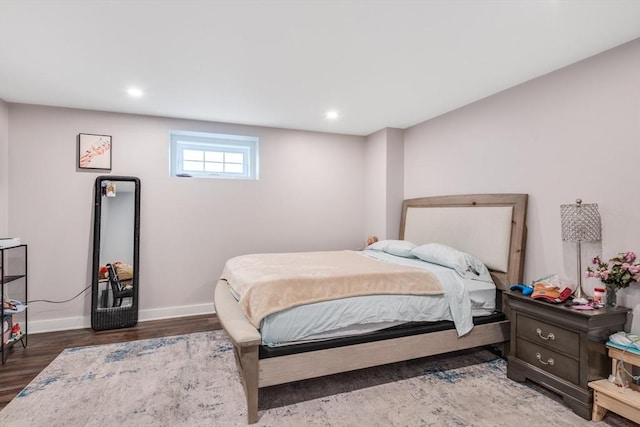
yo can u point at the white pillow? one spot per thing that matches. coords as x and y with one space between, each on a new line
466 265
394 247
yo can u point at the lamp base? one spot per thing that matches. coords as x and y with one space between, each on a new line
580 300
579 297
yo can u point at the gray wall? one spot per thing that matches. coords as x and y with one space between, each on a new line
572 133
309 197
384 183
4 169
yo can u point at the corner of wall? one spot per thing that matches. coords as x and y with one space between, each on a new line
395 180
384 182
4 168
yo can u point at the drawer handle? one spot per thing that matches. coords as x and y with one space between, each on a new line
548 362
548 337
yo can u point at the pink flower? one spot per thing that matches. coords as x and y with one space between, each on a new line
619 271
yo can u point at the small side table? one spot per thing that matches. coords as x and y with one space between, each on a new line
609 397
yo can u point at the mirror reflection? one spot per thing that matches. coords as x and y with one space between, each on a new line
117 214
116 234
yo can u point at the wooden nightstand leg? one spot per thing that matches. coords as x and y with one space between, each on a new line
598 411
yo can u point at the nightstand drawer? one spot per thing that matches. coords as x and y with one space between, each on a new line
548 360
553 337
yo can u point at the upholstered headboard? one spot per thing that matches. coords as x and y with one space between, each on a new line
491 227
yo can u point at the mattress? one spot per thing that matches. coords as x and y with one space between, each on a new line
365 314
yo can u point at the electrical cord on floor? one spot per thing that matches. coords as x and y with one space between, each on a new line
635 378
60 302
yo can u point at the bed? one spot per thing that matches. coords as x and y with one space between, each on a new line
492 227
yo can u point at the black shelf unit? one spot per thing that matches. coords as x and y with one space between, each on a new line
13 286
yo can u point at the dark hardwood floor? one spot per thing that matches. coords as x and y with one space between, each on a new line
23 365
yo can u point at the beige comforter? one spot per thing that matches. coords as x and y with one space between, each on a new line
268 283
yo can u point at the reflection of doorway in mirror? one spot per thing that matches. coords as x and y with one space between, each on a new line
117 233
117 226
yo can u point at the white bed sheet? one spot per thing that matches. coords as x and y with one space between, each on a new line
364 314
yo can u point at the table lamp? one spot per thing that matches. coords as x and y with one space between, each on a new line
580 223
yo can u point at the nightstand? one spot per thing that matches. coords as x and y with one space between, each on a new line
561 348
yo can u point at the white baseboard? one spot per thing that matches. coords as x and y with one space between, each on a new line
63 324
179 311
68 323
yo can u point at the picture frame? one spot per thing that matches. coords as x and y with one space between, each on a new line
94 151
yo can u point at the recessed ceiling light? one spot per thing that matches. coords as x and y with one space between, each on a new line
134 91
332 115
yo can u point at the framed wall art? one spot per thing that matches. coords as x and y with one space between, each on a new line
94 151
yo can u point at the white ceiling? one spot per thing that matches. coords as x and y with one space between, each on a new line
285 63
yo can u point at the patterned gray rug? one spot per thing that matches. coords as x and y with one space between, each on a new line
191 380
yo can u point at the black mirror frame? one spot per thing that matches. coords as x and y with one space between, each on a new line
114 317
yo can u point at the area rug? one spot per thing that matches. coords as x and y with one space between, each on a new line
191 380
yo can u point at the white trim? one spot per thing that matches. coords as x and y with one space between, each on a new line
179 311
69 323
63 324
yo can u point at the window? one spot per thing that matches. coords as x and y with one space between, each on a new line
212 155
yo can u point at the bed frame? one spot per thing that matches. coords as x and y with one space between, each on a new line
490 226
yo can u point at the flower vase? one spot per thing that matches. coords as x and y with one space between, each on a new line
611 298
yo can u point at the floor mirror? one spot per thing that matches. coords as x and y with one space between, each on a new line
116 240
